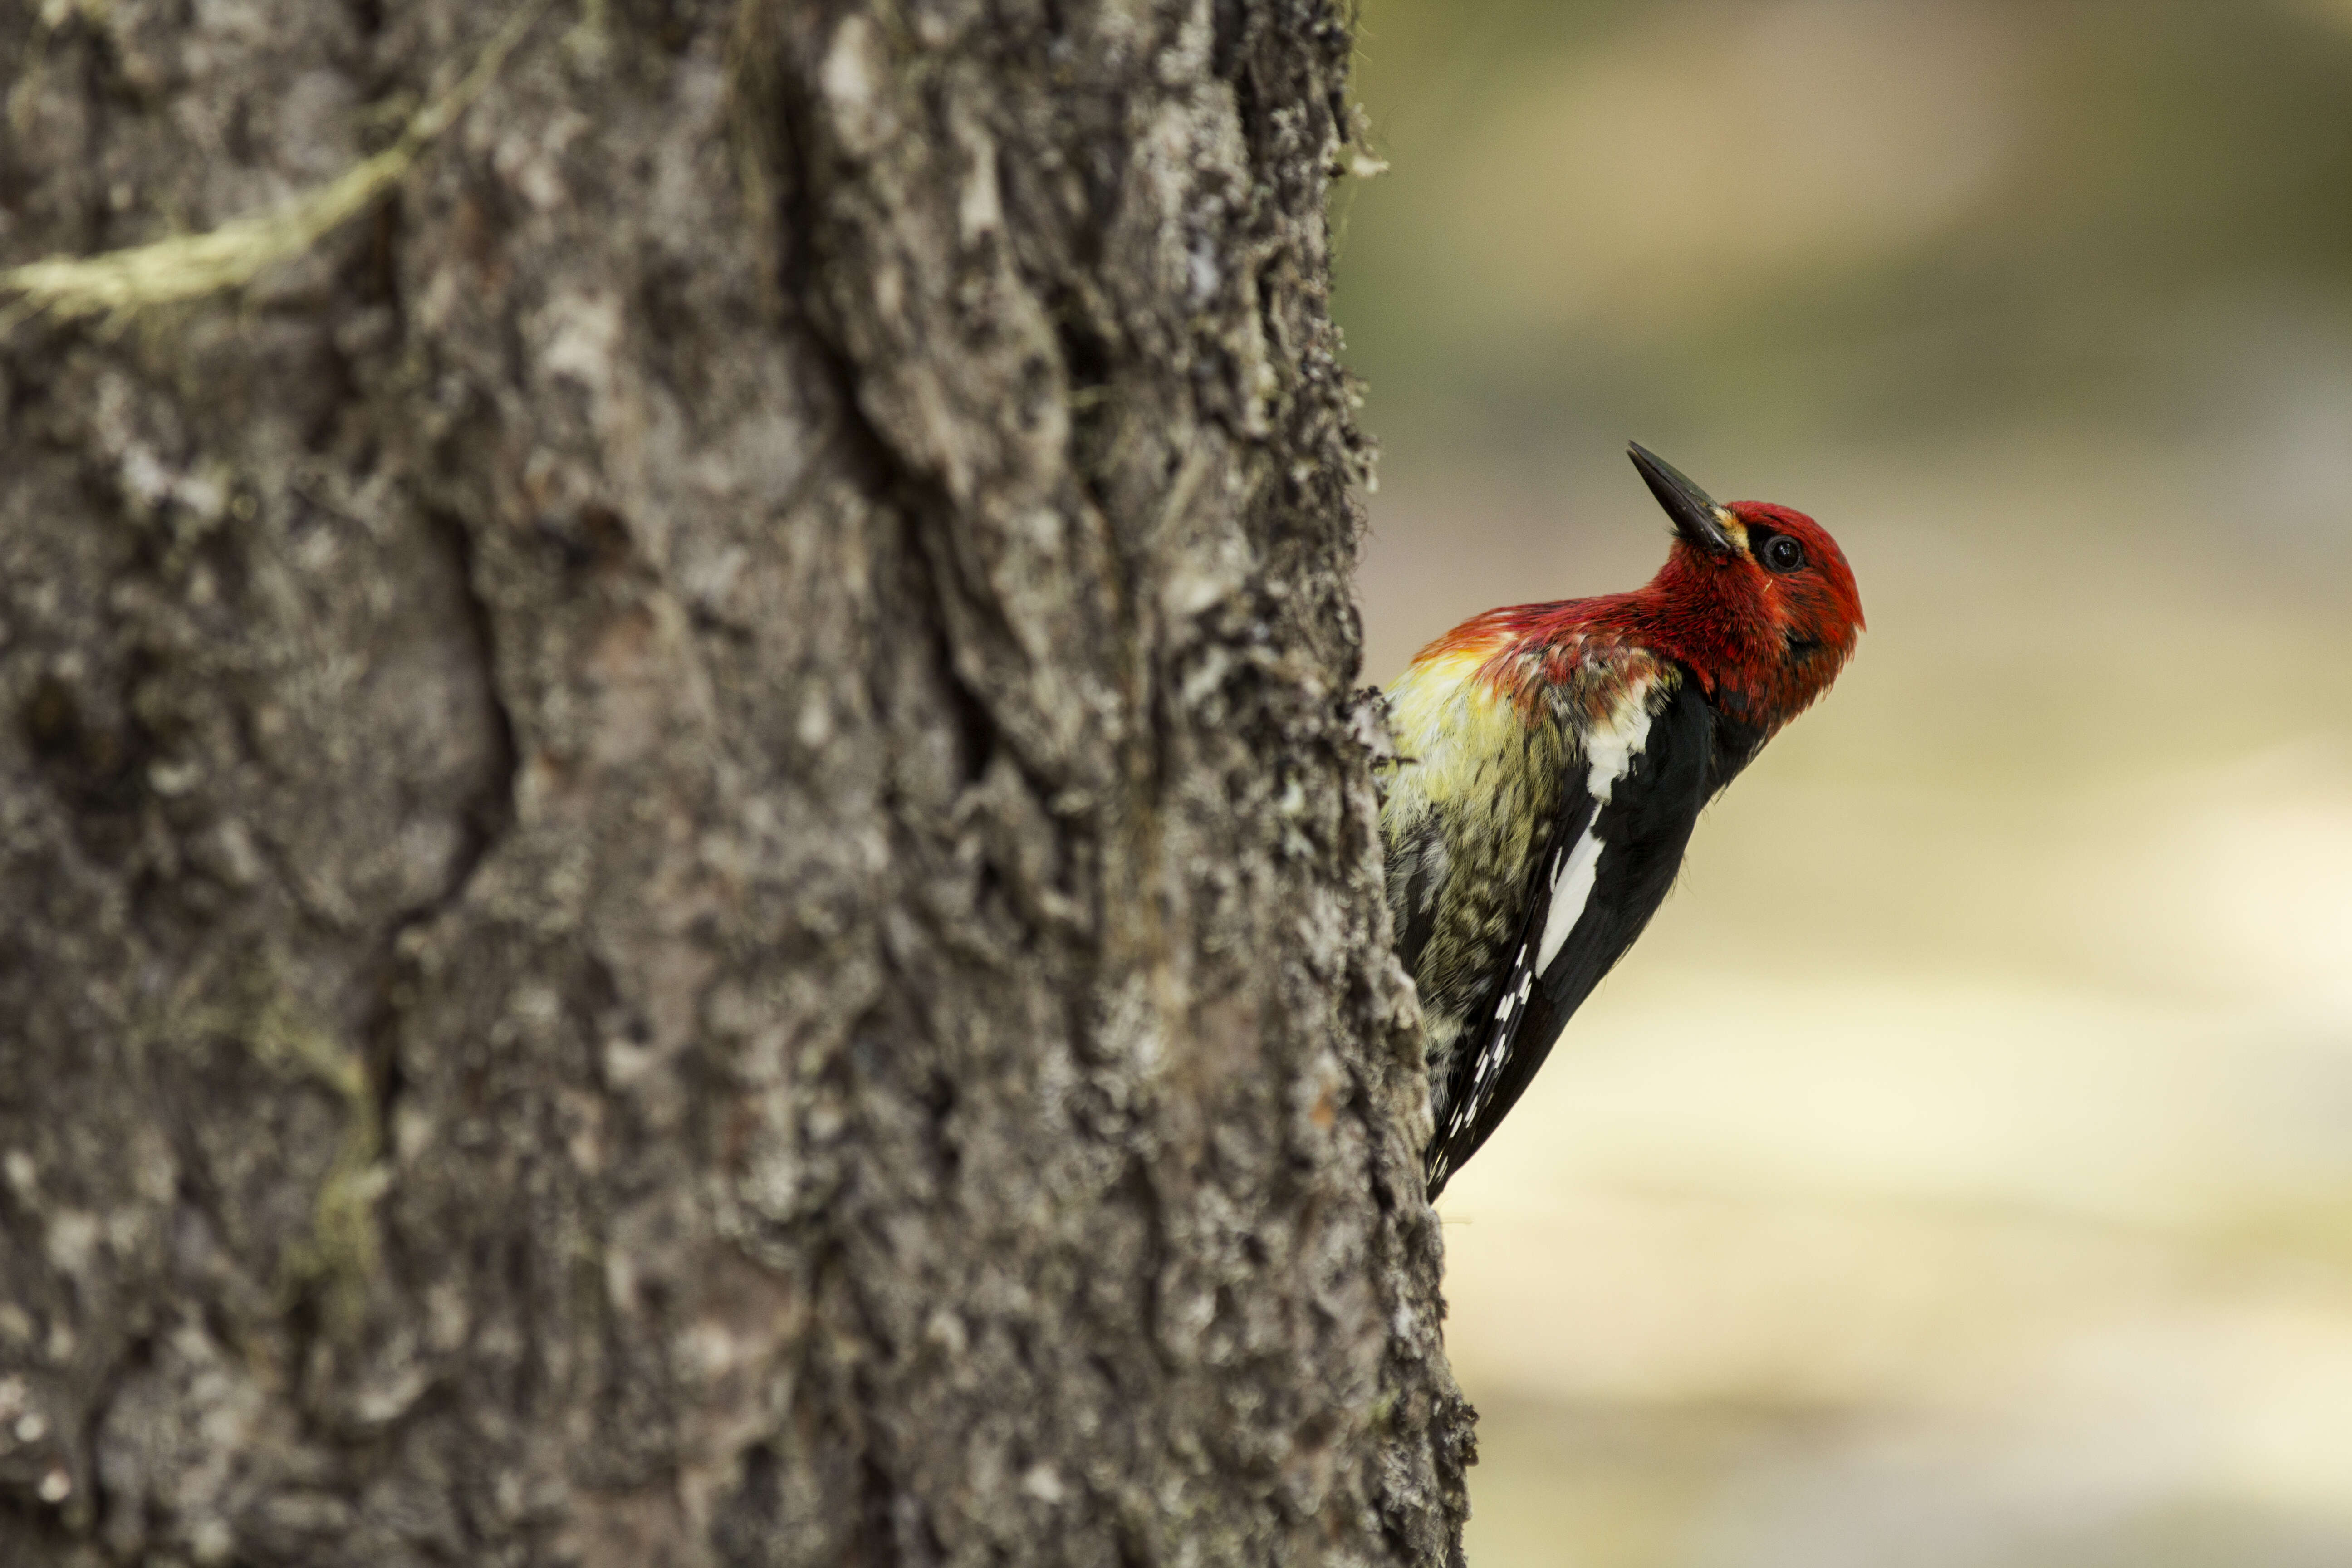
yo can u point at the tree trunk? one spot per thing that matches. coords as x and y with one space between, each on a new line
684 880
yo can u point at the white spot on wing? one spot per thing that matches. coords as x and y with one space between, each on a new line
1569 895
1610 749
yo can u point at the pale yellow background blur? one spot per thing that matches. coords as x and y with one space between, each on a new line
1959 1173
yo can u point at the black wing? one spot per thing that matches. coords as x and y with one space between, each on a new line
1642 831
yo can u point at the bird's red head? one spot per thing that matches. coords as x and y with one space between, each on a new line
1757 599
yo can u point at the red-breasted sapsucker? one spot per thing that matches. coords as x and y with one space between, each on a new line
1554 758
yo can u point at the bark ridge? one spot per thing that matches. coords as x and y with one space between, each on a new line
681 875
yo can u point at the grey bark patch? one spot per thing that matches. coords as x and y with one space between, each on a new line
682 877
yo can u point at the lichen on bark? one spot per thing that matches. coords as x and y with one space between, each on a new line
684 876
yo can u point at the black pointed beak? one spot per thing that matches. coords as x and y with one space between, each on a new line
1696 516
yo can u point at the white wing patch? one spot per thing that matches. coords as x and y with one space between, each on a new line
1570 892
1611 748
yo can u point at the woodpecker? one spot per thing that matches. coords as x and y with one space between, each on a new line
1554 758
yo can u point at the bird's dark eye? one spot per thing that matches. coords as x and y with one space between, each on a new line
1782 554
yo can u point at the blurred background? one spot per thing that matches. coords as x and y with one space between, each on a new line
1959 1173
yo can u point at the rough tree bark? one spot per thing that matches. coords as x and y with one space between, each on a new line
680 878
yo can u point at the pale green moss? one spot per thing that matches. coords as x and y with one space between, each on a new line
262 1012
120 283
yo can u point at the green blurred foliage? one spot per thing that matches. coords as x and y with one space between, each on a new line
1834 218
